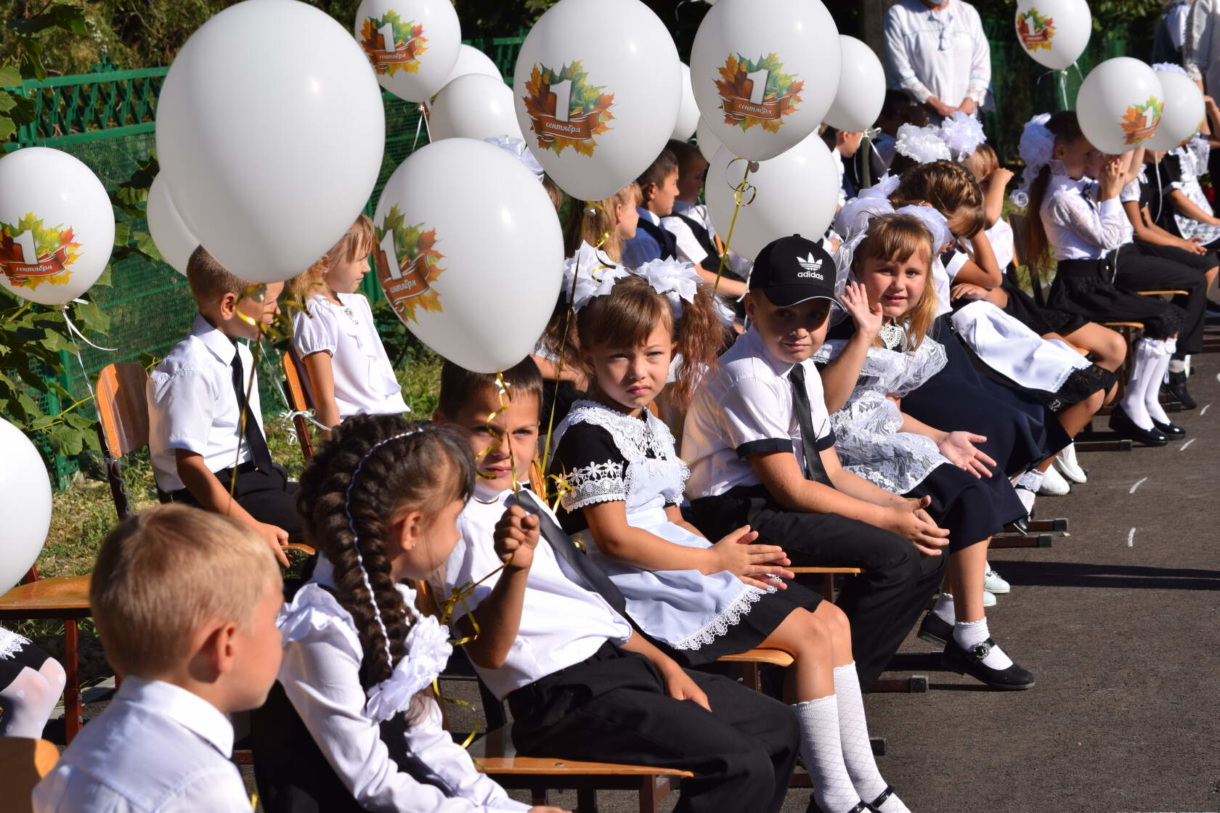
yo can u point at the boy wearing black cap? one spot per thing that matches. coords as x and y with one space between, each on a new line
761 452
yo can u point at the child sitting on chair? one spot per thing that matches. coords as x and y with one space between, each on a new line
185 603
31 682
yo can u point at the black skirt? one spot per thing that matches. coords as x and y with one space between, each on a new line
970 508
26 656
1025 309
1085 287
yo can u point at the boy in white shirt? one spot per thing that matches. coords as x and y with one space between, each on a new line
185 603
553 642
758 441
197 432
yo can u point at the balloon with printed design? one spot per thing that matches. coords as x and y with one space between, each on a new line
473 106
1120 104
688 112
598 90
56 226
169 233
413 45
1054 32
270 134
25 504
1184 111
796 192
453 264
765 72
861 89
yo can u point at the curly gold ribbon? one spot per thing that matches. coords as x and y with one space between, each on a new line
739 193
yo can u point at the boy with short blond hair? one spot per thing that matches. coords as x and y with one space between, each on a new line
205 421
186 604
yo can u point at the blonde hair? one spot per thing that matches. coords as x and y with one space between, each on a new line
982 162
899 237
210 281
357 242
590 224
164 573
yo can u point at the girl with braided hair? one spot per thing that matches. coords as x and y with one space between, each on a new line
358 727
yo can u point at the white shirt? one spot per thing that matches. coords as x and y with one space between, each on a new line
192 404
744 407
689 249
837 157
365 383
1176 17
937 53
562 622
320 674
156 747
1077 226
1002 242
1201 45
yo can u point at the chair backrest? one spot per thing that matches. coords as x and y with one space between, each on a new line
122 406
300 399
23 763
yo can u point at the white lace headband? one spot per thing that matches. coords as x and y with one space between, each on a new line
1036 148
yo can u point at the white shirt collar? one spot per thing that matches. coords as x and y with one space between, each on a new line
220 345
185 708
759 348
649 215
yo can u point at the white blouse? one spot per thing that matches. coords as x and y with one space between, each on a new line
321 675
364 379
937 53
1078 227
1192 158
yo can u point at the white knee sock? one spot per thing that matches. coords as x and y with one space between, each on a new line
28 702
944 607
822 752
970 633
857 750
1144 367
1152 395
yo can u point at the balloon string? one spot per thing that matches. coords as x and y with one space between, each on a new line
427 116
739 192
419 128
72 334
75 333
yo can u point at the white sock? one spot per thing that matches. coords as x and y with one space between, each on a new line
944 607
822 753
1177 365
1032 480
857 750
971 633
1152 395
1144 368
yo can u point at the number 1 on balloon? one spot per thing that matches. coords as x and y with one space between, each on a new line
758 88
389 253
29 255
563 99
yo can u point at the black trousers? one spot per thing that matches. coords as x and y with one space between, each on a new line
1148 267
267 496
883 603
613 707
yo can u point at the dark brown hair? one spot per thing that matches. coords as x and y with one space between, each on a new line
1035 247
665 165
210 280
459 385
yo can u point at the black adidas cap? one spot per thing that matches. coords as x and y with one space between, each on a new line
792 270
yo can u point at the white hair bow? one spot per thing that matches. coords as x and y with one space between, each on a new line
962 134
922 144
520 150
676 281
428 650
594 275
1036 147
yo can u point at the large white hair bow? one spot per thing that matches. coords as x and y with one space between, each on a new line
676 281
1036 147
594 275
934 221
428 650
962 134
922 144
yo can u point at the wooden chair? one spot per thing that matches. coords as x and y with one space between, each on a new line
300 399
23 763
122 409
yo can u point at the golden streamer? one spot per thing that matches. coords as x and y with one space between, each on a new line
498 438
739 193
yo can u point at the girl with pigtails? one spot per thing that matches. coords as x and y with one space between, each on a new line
623 488
352 723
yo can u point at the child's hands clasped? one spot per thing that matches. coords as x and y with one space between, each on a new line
959 449
909 520
867 318
516 538
760 566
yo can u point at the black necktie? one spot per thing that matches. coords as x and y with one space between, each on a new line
593 576
804 418
255 442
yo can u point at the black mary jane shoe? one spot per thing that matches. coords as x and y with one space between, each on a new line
935 630
970 662
863 807
1122 424
1169 430
875 804
1176 387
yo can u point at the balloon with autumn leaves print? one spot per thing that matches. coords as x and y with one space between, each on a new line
56 226
1054 33
413 45
765 73
598 87
1119 104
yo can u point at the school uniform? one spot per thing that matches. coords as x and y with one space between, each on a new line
364 380
196 397
651 241
155 747
18 653
747 406
318 747
575 693
695 242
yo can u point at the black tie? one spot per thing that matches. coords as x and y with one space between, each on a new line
255 442
804 418
594 577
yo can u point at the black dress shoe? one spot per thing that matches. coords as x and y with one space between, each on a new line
1169 430
970 662
863 807
1122 424
1176 386
935 629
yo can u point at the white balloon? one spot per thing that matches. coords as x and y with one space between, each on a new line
473 106
171 236
765 72
472 60
1054 32
688 112
25 504
413 45
598 91
706 140
861 89
797 193
1184 111
1119 104
270 133
469 252
56 226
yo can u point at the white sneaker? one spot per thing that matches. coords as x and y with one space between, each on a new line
994 583
988 599
1053 484
1069 466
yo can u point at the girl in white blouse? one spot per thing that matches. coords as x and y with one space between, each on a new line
336 337
361 728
